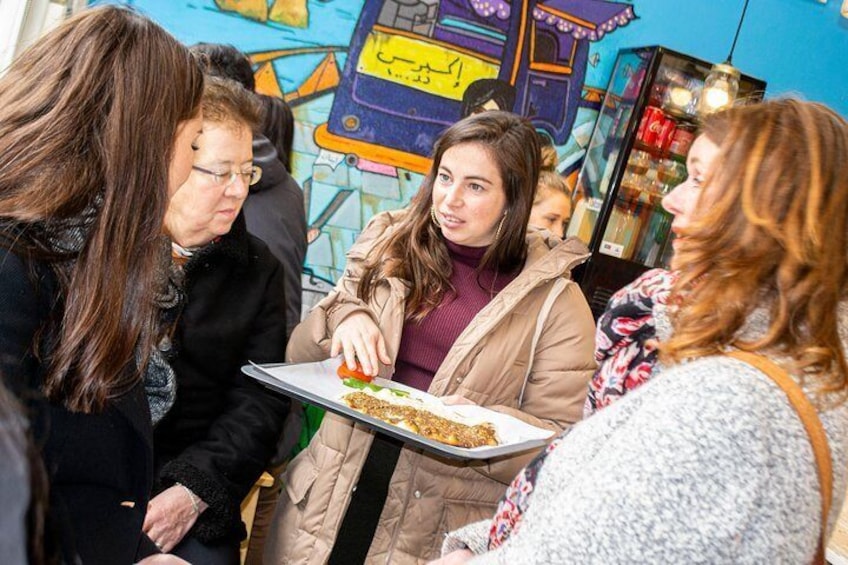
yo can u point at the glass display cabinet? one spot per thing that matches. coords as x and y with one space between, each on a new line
637 154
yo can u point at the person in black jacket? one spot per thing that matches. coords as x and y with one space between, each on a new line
220 433
274 209
87 162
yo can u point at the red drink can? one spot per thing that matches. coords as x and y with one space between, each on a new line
652 122
665 133
682 140
640 132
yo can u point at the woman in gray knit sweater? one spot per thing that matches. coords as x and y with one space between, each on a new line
708 462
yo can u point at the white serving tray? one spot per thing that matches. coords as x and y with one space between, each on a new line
317 383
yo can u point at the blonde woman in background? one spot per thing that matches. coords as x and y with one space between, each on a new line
552 203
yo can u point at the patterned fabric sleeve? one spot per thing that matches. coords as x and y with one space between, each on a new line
507 518
625 339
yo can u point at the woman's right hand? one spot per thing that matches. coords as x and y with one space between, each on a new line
359 338
170 515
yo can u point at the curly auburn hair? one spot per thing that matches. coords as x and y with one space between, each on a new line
774 236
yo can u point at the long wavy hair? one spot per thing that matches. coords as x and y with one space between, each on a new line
415 251
88 118
775 236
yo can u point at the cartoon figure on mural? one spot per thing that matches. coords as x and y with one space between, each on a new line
369 109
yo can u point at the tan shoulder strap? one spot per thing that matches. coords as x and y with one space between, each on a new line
556 290
812 424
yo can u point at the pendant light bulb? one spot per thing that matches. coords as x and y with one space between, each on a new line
722 84
720 88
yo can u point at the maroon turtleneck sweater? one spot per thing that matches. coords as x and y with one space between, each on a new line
425 344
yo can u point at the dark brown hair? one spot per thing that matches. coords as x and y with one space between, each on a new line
225 61
416 252
278 127
776 236
88 117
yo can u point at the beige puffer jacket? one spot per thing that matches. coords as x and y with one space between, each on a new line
428 496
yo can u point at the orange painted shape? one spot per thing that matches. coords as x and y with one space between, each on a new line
292 13
324 77
571 180
519 50
263 56
253 9
266 80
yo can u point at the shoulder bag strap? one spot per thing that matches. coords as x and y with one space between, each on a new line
555 291
812 424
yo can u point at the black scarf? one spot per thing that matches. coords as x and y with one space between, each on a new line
66 238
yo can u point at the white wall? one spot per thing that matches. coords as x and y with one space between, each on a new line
24 21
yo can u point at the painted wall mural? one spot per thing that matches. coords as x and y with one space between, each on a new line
416 67
373 82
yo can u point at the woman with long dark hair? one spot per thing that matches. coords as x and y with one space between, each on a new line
453 296
97 124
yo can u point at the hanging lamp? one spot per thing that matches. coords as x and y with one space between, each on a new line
722 83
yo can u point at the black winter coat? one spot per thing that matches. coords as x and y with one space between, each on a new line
275 214
223 427
100 466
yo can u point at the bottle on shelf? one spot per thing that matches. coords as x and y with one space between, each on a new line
623 226
585 217
650 247
670 173
638 165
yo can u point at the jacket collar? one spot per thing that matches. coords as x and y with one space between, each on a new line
232 246
570 252
567 253
548 258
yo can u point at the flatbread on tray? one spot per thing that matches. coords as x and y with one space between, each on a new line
413 415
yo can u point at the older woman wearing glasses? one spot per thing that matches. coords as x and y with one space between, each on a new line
218 436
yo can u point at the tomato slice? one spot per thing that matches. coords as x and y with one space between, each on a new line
346 373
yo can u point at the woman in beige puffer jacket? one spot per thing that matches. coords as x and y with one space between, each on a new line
539 320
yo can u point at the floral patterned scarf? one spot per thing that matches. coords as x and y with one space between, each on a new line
625 340
517 497
626 356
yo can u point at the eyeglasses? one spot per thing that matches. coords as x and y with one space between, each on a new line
250 177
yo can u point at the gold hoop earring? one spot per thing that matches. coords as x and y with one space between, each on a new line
433 217
500 227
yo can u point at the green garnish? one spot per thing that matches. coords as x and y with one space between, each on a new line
362 385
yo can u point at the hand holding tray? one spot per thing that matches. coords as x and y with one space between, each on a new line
317 383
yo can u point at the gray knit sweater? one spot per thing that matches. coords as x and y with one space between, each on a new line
706 463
